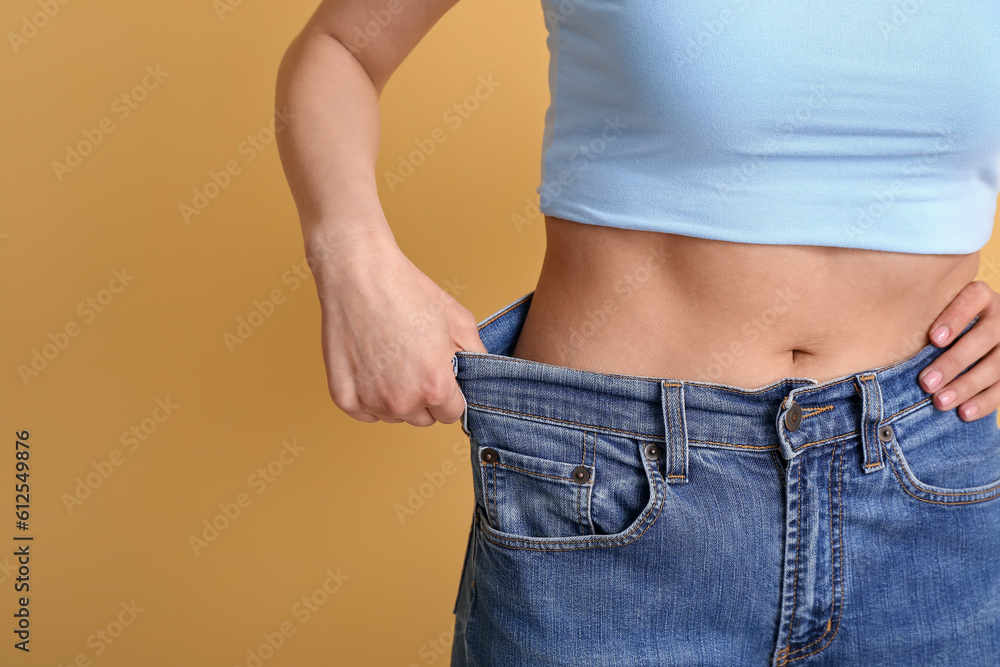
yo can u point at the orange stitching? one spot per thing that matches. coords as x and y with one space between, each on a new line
870 434
729 444
643 515
593 462
810 412
915 405
678 408
639 435
820 442
940 502
655 501
505 311
538 474
833 580
670 437
798 543
566 421
840 615
845 435
486 487
774 457
579 489
923 488
489 538
496 513
873 448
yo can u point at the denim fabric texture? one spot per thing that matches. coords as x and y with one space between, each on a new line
625 521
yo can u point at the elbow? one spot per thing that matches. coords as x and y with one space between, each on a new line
331 53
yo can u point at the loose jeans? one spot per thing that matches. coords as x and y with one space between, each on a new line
623 520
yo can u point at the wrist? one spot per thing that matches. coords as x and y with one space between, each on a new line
336 251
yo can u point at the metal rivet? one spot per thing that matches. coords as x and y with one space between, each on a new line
793 418
489 455
581 474
652 451
885 433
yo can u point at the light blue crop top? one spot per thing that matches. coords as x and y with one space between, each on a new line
853 123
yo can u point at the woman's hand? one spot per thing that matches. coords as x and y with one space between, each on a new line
977 391
388 331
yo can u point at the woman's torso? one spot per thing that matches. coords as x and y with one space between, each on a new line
699 140
664 305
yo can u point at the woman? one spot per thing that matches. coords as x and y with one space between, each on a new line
750 414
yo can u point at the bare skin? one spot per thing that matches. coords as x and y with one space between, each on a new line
664 305
695 308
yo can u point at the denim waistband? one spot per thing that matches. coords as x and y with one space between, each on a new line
687 412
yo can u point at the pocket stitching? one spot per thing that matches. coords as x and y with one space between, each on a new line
594 542
491 490
897 458
540 474
593 468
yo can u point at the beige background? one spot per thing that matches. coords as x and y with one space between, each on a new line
125 539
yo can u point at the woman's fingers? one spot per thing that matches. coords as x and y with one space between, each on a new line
975 392
970 301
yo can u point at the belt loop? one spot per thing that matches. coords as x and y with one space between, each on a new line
871 416
675 428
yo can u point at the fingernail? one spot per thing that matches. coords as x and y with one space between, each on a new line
932 379
947 397
940 333
971 411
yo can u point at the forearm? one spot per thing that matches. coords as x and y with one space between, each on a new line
329 147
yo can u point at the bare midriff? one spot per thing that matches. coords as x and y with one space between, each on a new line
668 306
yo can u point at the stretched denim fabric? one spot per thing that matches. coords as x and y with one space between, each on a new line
626 521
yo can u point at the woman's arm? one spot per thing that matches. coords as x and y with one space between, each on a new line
388 331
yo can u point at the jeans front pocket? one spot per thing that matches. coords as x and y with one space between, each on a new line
535 497
547 485
937 457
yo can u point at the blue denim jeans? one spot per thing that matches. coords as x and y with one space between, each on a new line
625 521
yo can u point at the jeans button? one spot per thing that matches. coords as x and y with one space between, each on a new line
652 451
885 433
489 455
580 474
793 418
